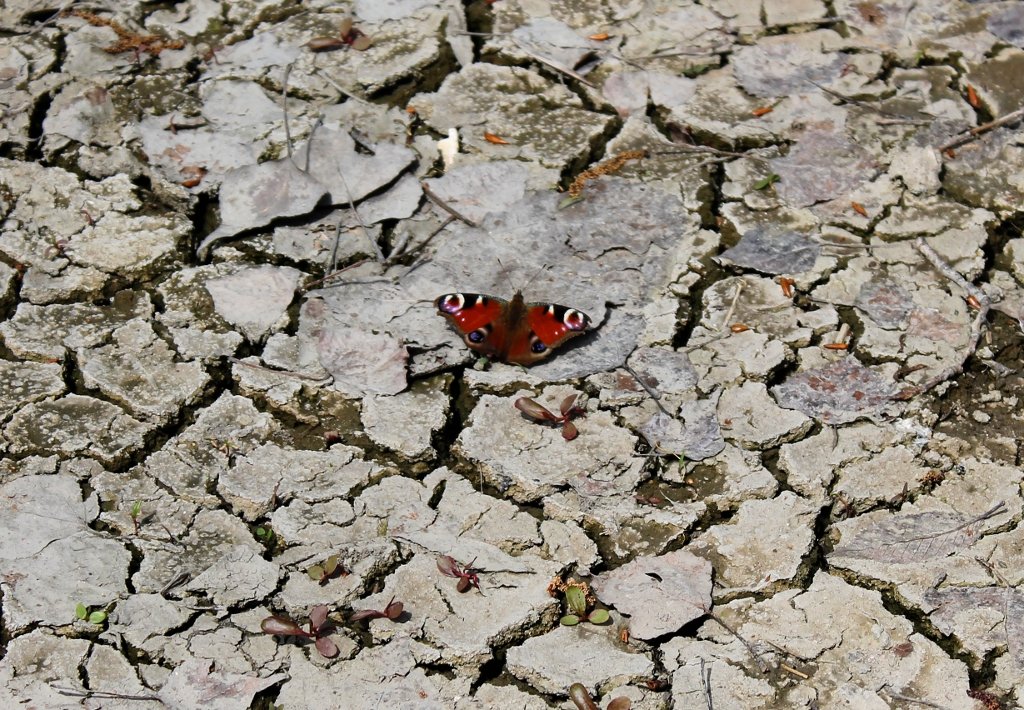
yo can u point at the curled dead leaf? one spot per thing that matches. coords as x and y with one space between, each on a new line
492 138
859 209
761 111
599 37
739 327
972 97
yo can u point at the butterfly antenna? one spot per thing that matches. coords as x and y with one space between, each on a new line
536 273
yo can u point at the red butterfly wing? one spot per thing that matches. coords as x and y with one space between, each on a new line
479 320
548 325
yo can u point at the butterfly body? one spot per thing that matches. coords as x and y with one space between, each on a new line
511 331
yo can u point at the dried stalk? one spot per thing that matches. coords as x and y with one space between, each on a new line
973 134
433 197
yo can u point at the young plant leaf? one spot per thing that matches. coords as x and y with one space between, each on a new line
599 616
81 611
394 610
569 431
97 617
326 647
136 509
620 703
316 572
581 698
318 616
282 626
766 182
569 620
535 411
568 405
448 566
576 600
330 565
463 585
366 614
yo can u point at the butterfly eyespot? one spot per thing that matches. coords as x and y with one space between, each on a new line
575 320
476 336
538 347
452 303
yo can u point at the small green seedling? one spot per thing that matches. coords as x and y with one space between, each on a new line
767 181
265 534
320 629
392 611
135 513
96 617
576 599
326 570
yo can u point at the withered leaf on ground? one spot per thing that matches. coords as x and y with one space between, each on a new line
821 165
838 393
773 251
885 302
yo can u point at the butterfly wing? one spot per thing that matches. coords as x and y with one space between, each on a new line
479 320
547 326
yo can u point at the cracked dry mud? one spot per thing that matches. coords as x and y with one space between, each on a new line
797 483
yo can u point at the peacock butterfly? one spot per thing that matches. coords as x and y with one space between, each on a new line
511 331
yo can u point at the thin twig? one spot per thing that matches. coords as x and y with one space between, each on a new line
685 149
338 87
656 396
332 263
178 579
750 647
705 684
793 671
284 108
76 693
366 230
948 271
862 104
433 197
908 699
309 142
553 64
983 128
285 373
990 513
983 303
732 307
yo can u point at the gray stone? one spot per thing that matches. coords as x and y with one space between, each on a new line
190 463
270 473
659 594
506 91
575 654
527 460
751 419
24 382
34 661
139 371
240 576
255 300
406 422
467 627
878 479
211 532
46 528
75 425
762 547
567 543
388 675
48 332
145 620
857 648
